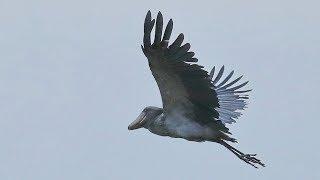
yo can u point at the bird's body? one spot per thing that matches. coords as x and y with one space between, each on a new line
179 126
196 105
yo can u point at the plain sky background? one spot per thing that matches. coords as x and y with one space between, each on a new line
73 77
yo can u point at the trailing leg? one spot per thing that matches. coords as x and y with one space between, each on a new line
248 158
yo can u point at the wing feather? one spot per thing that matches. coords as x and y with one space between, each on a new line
159 27
231 100
167 33
218 76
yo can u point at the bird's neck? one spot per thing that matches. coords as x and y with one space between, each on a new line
157 125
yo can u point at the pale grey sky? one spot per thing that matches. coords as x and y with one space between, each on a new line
73 77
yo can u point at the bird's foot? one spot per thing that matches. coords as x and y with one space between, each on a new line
248 158
251 159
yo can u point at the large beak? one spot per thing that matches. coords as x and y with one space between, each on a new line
138 123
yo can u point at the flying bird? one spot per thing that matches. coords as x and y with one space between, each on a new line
197 105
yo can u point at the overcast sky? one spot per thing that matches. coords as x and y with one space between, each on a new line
72 77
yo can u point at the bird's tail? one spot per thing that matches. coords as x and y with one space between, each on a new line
248 158
224 136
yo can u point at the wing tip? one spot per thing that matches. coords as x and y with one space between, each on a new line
148 16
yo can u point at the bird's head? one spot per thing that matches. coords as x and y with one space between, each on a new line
148 114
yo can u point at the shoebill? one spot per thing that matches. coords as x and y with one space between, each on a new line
197 105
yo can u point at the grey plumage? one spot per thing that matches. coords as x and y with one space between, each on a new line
196 105
230 100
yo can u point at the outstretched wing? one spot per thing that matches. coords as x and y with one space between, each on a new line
231 99
182 83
